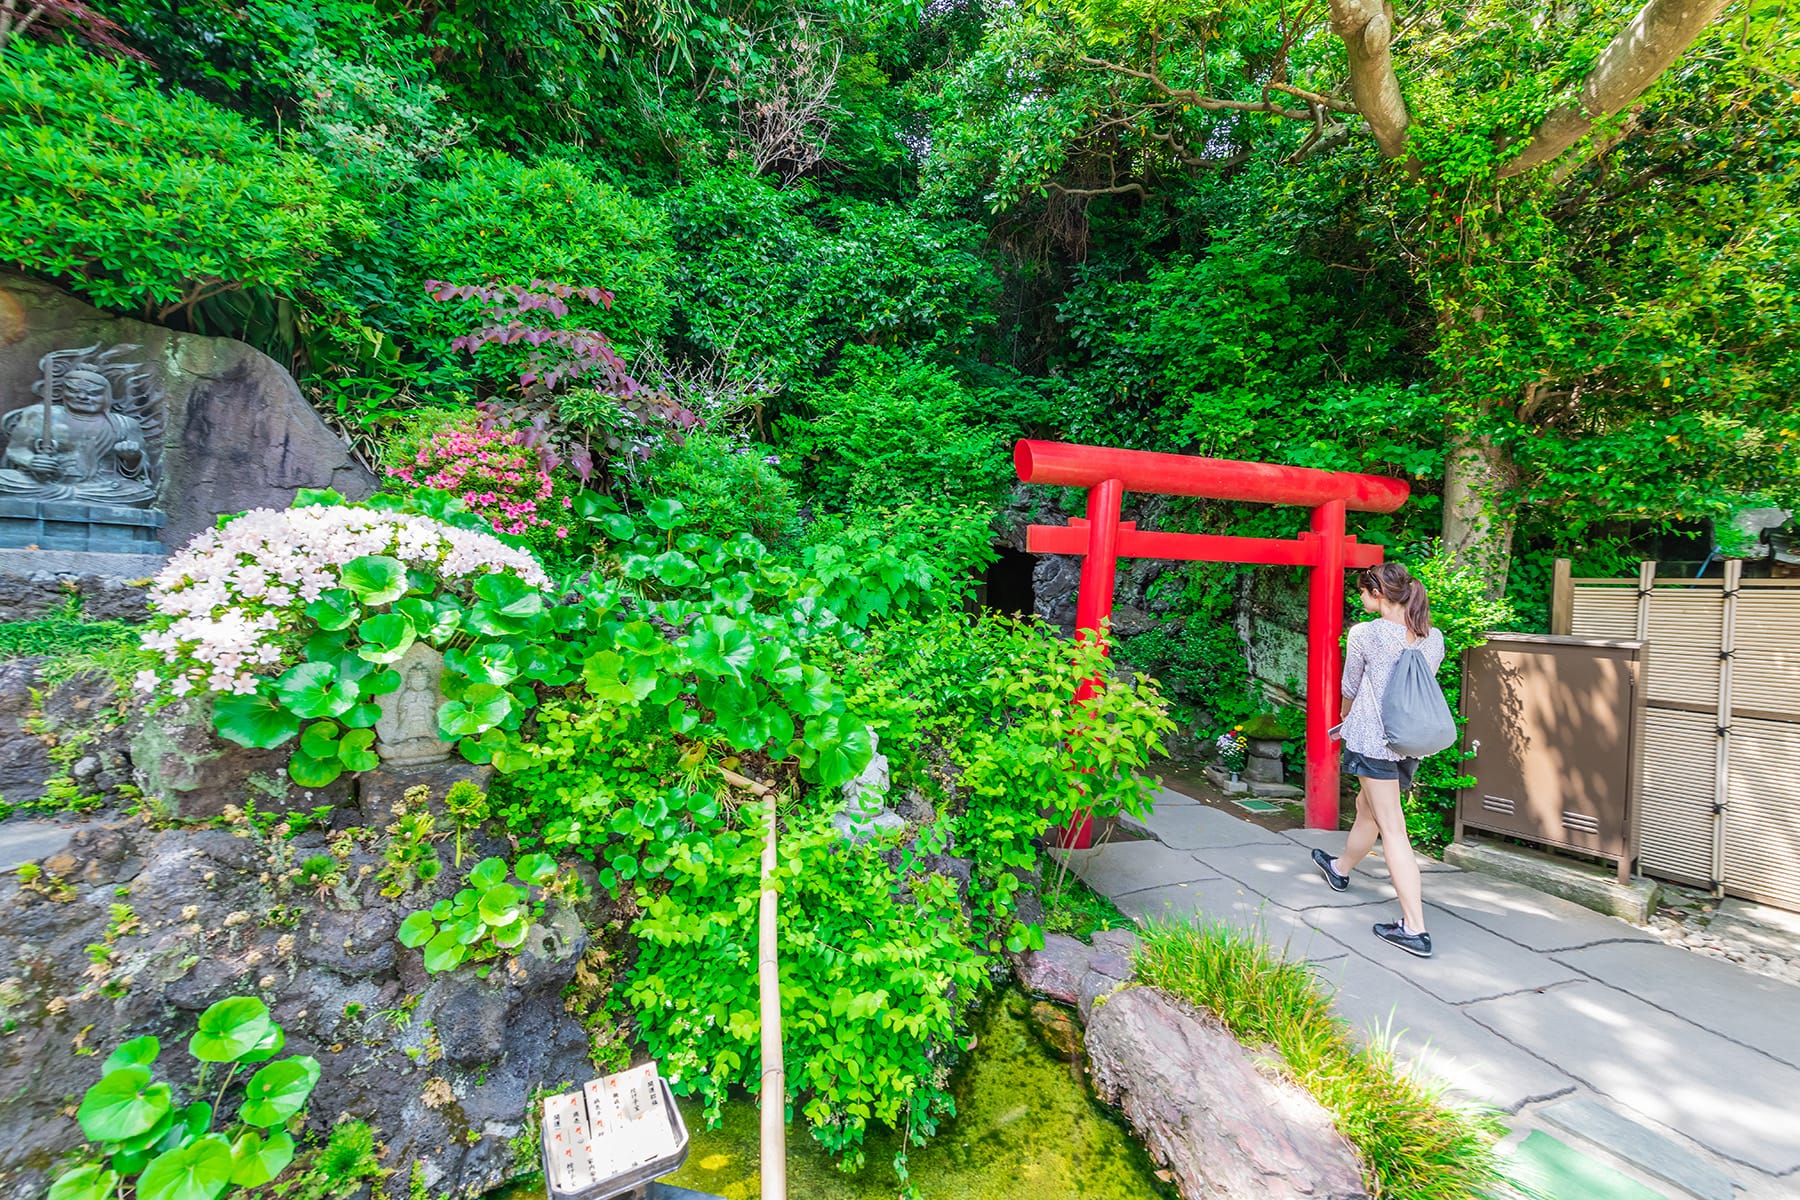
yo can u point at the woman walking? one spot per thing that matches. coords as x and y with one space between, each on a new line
1403 620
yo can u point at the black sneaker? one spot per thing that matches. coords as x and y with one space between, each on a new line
1413 943
1338 882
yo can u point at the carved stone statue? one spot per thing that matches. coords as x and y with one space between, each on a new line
94 437
407 732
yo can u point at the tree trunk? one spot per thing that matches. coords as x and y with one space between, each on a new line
1631 62
1478 512
1367 30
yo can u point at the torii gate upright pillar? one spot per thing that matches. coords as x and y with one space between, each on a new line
1102 537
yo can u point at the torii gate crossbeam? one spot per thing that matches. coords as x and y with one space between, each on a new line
1102 538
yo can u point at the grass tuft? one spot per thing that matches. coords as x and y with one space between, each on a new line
59 635
1072 907
1415 1144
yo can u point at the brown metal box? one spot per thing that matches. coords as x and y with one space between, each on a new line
1553 725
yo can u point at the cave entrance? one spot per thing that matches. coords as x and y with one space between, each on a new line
1009 583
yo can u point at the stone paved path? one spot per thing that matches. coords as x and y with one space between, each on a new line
1679 1071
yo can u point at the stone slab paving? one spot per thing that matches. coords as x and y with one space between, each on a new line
1681 1069
1526 915
1734 1101
1437 1038
23 840
1167 796
1468 963
1231 903
1191 826
1747 1008
1120 867
1285 873
1333 840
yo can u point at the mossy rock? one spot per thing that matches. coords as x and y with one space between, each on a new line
1267 727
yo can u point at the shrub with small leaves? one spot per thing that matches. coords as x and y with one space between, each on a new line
489 916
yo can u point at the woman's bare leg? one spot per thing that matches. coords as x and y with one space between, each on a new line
1396 849
1362 833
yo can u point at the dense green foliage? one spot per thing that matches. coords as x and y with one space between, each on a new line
151 201
694 338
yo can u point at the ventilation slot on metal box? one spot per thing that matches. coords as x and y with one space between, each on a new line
1580 822
1499 804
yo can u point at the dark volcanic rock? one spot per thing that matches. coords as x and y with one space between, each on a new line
24 757
178 759
1196 1098
442 1065
74 732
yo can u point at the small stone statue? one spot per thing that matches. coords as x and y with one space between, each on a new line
84 442
407 731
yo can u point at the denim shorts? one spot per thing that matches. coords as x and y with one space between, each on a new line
1380 768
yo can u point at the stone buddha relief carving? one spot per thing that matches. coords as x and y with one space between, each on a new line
407 731
93 435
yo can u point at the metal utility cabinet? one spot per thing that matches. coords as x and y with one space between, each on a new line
1554 730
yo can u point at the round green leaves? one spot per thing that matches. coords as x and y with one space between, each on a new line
490 915
255 720
231 1029
200 1171
375 578
138 1052
278 1091
255 1161
123 1105
316 689
385 638
85 1183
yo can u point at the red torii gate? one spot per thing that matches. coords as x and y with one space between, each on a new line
1102 538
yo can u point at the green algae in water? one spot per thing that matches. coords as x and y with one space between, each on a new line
1026 1129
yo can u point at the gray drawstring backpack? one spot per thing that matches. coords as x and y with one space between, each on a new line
1415 718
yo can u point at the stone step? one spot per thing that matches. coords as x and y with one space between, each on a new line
1654 1153
1546 1168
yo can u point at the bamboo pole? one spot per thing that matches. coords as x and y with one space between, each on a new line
774 1071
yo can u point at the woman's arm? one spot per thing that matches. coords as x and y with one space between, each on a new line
1353 666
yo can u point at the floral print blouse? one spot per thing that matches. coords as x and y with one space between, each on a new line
1370 652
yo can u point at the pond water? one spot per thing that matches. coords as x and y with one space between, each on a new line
1027 1128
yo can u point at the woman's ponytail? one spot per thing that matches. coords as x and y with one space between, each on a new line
1418 609
1393 583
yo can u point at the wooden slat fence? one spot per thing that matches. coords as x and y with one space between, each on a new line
1721 746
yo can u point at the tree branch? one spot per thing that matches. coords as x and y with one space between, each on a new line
1121 189
1630 63
1334 103
1194 99
1601 147
1367 30
1320 142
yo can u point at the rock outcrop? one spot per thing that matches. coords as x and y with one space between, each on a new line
1222 1126
1071 972
190 771
69 736
1196 1097
442 1065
